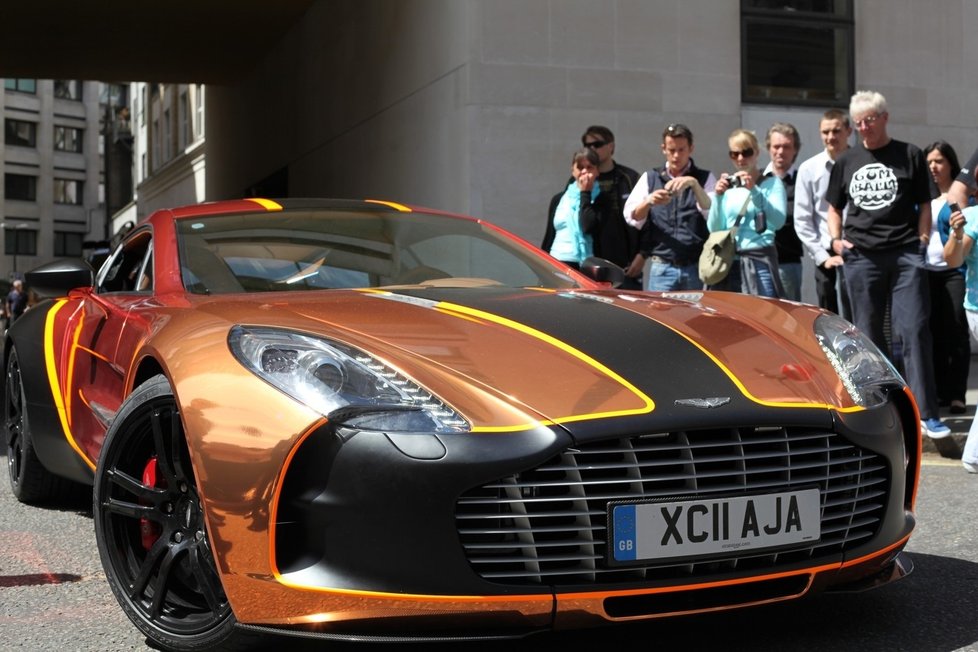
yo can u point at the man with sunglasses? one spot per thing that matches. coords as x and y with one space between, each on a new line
616 241
670 204
883 184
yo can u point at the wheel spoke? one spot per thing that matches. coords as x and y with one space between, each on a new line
207 579
149 564
133 486
168 445
161 585
132 510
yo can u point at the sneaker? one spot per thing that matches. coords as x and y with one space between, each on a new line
969 467
935 428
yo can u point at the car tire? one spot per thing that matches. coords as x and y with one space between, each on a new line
30 482
151 531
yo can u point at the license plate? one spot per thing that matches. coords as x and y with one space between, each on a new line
713 527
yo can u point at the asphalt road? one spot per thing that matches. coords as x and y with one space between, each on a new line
53 594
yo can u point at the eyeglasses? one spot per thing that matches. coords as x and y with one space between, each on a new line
595 144
868 121
746 153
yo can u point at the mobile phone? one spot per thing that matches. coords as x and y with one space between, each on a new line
954 207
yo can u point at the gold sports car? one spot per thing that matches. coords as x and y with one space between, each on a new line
357 419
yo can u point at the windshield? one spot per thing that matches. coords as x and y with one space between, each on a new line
312 250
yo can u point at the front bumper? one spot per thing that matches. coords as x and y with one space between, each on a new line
374 535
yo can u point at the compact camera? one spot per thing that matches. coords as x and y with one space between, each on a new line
735 181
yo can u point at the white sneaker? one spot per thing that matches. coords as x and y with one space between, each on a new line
969 467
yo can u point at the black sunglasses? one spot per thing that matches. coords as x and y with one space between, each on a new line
595 144
746 153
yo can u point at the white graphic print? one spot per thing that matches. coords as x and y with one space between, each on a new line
873 186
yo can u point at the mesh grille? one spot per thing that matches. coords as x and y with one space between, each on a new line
548 525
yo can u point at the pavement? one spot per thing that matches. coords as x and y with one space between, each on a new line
959 424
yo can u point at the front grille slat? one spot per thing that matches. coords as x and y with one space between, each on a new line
548 525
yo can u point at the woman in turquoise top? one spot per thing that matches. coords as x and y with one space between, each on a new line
576 213
960 248
755 267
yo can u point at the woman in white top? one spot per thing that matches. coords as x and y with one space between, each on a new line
948 323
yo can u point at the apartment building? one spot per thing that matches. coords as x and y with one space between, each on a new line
54 160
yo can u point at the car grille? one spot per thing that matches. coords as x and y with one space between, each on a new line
549 524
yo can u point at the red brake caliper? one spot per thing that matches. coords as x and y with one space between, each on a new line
149 530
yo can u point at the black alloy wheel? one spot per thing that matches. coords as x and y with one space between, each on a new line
30 482
151 531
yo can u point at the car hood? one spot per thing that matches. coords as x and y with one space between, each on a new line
511 358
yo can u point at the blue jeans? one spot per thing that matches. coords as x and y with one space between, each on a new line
765 280
790 280
665 277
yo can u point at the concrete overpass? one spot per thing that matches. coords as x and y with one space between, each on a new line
193 41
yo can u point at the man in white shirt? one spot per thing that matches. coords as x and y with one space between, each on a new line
811 212
674 200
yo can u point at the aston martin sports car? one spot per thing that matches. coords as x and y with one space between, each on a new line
362 420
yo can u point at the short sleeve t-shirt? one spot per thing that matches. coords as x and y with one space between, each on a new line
881 189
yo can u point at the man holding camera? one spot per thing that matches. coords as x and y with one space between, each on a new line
884 186
674 200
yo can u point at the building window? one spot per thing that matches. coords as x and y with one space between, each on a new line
797 52
199 110
67 243
67 89
22 85
183 117
143 104
20 186
67 191
167 136
20 242
157 143
67 139
21 132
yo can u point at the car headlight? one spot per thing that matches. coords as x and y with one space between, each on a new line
344 384
863 368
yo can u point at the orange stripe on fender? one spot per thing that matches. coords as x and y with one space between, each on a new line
52 371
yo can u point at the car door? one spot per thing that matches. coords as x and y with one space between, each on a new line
97 365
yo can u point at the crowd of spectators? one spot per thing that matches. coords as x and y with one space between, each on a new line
889 228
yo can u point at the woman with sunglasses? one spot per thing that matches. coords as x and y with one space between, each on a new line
762 201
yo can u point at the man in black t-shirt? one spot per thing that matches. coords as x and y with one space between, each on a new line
884 186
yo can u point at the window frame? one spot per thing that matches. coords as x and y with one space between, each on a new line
785 16
68 89
32 129
66 129
31 186
64 197
20 241
21 85
61 244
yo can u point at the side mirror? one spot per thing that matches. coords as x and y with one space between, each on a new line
603 271
58 278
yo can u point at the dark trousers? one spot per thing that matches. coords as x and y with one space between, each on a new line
830 288
896 276
949 328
